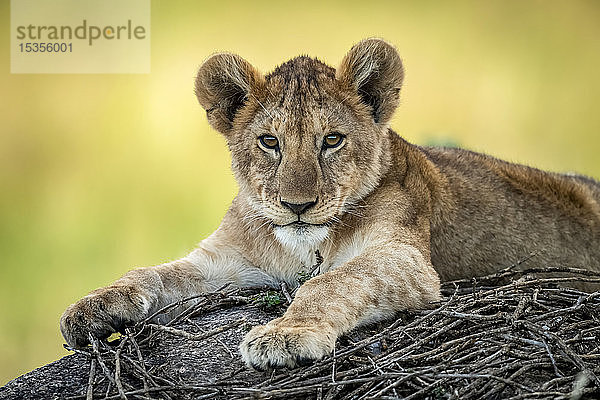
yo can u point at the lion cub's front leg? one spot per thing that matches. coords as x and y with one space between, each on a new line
129 300
143 291
370 287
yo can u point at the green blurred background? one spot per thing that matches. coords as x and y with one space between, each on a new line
102 173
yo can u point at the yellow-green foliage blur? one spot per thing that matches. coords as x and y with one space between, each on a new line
102 173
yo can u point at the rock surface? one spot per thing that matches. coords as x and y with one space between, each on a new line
525 339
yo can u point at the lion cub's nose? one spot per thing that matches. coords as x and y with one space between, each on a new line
298 208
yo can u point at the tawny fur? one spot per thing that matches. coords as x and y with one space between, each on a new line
389 218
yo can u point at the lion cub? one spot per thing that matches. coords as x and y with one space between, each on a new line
319 168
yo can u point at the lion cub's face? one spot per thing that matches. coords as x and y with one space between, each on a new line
309 151
308 142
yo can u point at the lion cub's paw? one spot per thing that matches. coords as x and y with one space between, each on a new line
278 345
101 313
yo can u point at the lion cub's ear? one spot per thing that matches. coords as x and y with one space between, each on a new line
374 69
223 84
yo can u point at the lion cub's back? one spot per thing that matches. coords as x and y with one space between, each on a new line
493 213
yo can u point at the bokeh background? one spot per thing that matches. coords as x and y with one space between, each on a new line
102 173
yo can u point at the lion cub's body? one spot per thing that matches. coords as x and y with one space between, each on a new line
320 170
497 213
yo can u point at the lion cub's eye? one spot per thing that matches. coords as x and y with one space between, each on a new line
333 140
269 142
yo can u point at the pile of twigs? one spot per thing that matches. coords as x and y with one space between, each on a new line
109 359
528 338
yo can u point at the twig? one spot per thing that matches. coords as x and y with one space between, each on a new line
198 336
142 364
286 293
90 387
118 369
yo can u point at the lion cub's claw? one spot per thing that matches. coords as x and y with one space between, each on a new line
278 345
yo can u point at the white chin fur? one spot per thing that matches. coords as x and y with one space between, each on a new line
301 238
